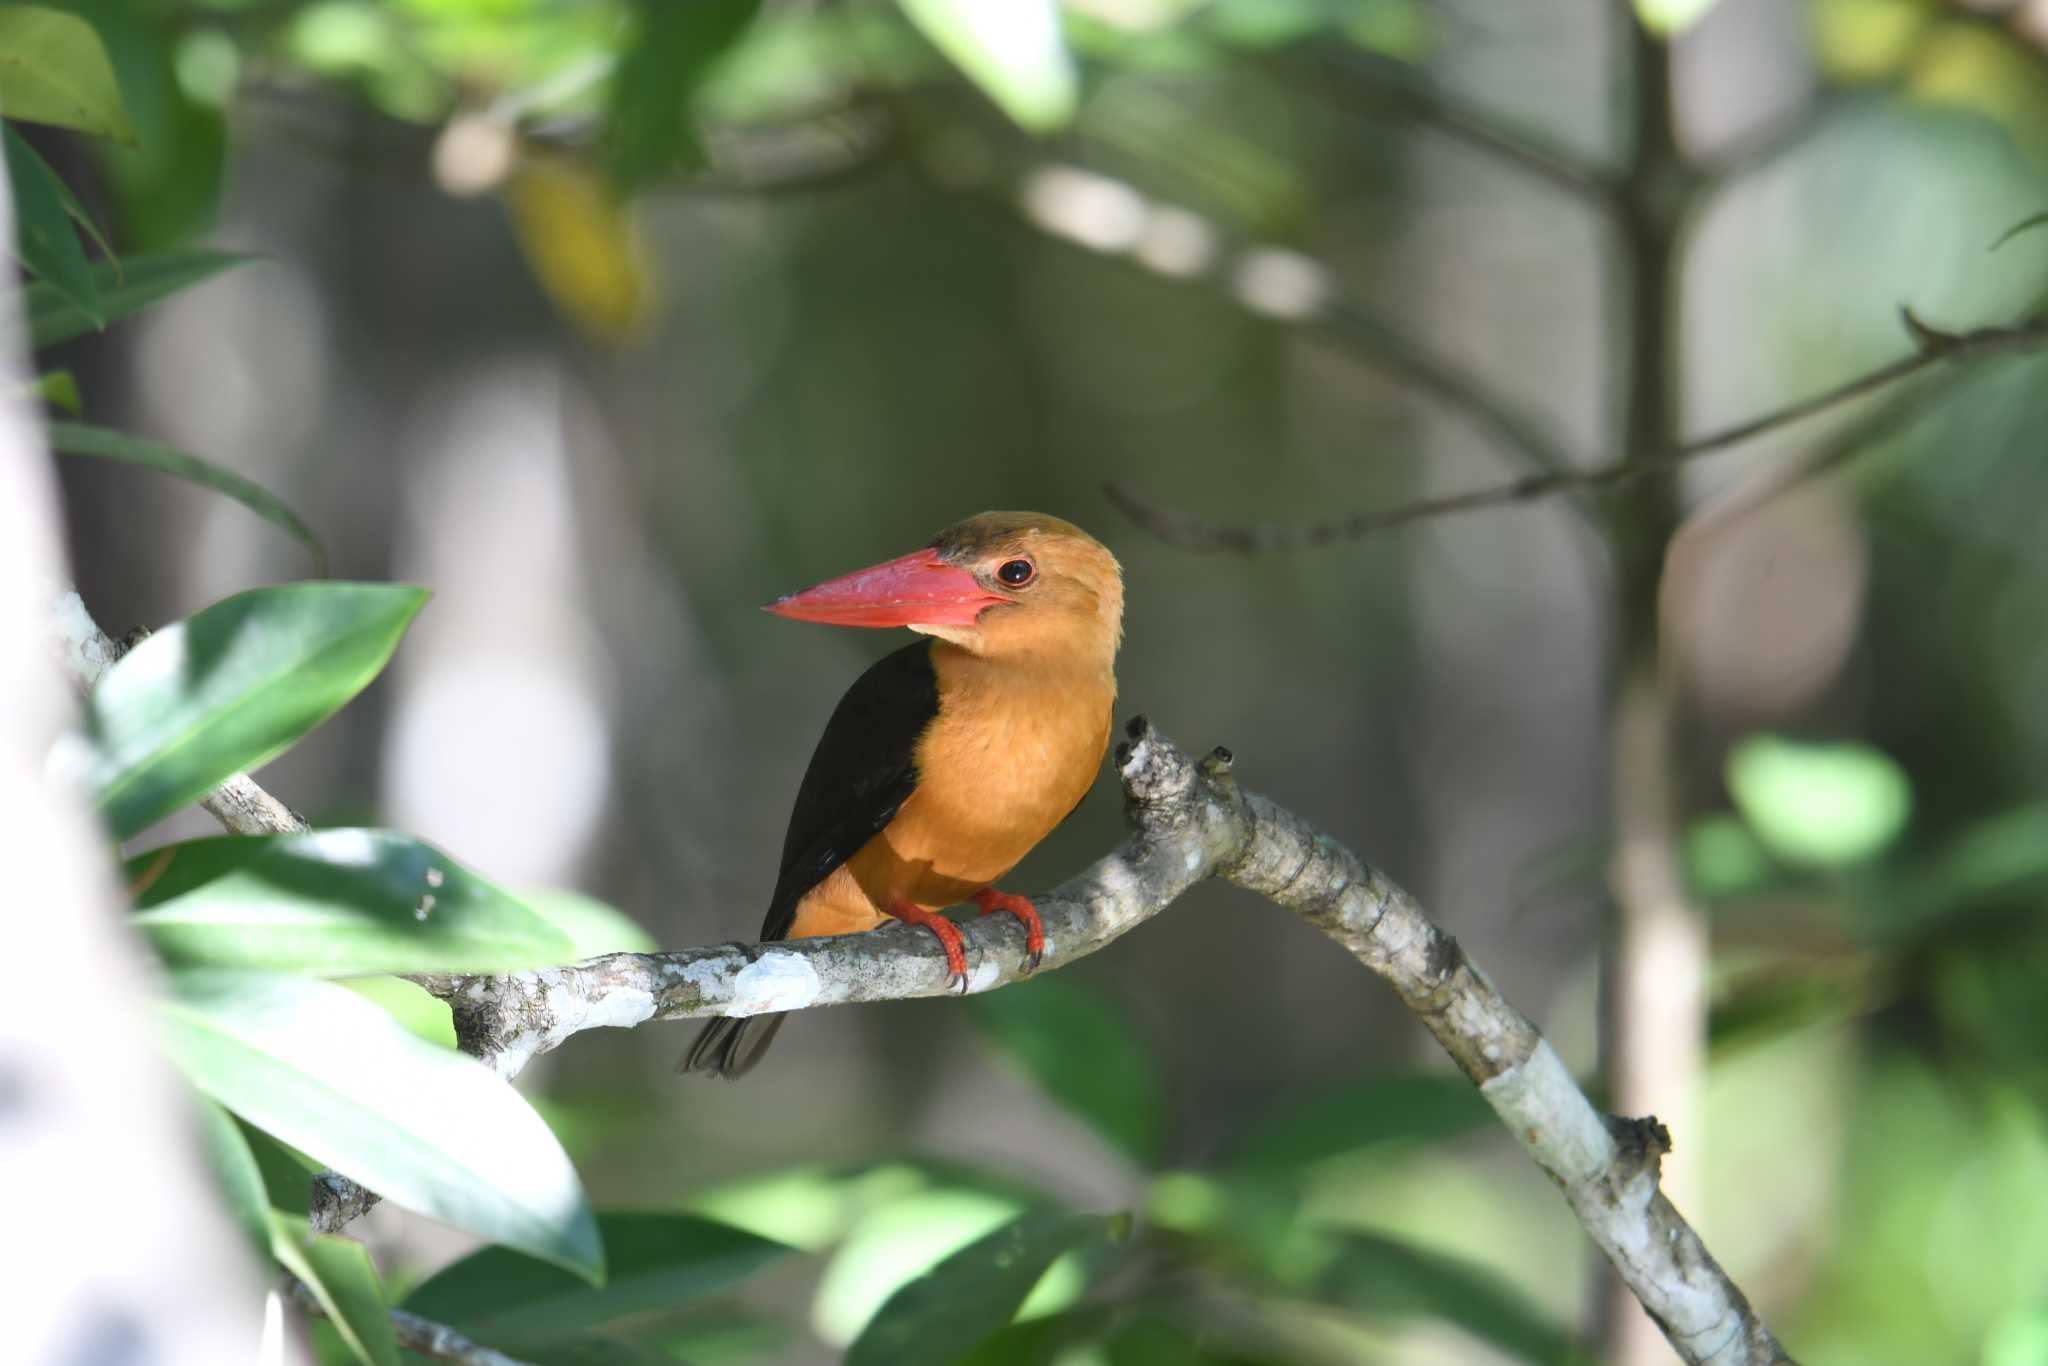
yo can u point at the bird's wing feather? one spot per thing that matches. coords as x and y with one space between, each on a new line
864 769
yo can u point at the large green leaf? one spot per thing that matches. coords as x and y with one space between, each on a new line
43 236
592 926
1823 804
339 1273
1375 1275
232 688
1012 49
332 1075
53 69
973 1294
336 902
134 283
653 1260
78 438
1082 1052
1377 1110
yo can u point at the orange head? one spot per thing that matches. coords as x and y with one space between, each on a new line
999 585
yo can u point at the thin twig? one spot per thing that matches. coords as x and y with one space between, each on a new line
1385 89
1934 347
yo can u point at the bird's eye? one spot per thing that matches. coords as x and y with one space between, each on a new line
1016 573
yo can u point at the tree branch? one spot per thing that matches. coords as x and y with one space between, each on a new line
1933 347
1188 823
424 1336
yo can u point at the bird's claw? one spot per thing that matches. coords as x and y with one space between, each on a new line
990 900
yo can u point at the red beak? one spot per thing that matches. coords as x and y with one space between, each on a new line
917 590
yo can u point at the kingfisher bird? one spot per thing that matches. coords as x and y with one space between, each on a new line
949 759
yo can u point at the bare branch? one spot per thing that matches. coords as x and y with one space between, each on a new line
424 1336
1188 823
1932 347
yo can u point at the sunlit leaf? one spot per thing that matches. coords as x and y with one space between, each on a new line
135 283
53 69
422 1014
338 1272
333 902
653 1261
1825 805
1012 49
1082 1052
1377 1276
1668 18
102 443
974 1293
232 688
592 926
1412 1109
43 236
332 1075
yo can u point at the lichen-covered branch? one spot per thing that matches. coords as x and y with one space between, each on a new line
1189 822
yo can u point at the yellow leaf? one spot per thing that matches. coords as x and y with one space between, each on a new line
582 245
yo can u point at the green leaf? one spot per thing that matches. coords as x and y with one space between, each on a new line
1375 1275
58 388
592 926
332 1075
2039 220
237 1171
653 1261
1824 805
973 1294
1413 1109
77 438
123 288
43 236
338 1272
1668 18
333 902
1082 1051
232 688
1012 49
423 1015
648 126
53 69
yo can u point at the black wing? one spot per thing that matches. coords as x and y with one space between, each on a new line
864 769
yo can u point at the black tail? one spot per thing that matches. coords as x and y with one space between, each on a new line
731 1047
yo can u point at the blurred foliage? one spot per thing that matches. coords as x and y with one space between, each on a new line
1882 891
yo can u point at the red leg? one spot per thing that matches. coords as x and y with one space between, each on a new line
948 936
990 900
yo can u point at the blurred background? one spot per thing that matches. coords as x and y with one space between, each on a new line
610 322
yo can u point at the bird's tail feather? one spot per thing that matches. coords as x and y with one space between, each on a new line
731 1047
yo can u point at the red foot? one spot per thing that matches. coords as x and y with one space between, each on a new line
948 936
990 900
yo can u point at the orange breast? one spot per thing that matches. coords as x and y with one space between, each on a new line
1012 751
